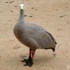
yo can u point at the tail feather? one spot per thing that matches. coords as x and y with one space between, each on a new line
52 38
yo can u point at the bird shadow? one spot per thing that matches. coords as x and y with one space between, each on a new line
44 59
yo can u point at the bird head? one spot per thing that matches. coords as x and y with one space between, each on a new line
21 6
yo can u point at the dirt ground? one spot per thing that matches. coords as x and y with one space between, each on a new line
52 15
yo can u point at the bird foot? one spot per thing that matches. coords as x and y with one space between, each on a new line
25 60
28 62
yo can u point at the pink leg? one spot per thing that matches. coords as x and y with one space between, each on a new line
29 61
31 54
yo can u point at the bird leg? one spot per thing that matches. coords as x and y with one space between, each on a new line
29 61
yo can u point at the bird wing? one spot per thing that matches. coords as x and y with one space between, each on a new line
43 38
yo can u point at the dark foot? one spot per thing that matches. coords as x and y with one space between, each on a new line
25 60
28 62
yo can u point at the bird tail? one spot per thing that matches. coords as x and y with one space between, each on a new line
52 38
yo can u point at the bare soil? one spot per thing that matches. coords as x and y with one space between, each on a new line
52 15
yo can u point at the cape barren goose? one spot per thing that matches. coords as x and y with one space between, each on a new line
33 36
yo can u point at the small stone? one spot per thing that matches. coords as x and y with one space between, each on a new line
62 16
25 15
11 11
11 1
15 6
60 29
32 7
35 9
30 16
6 2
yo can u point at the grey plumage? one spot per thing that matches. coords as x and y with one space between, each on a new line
32 35
35 37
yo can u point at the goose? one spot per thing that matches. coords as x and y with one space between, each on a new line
32 36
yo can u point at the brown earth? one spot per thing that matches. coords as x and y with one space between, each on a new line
52 15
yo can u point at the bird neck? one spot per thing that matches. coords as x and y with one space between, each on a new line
21 17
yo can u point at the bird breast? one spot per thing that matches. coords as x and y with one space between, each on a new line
19 34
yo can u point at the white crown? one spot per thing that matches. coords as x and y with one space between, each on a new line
21 6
